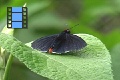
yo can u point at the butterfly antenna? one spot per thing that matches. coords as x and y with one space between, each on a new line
74 26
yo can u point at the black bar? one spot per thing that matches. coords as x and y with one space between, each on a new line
16 21
8 16
16 12
23 17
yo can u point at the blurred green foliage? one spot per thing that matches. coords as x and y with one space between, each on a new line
100 18
115 52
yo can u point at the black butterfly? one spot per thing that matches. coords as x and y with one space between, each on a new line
59 43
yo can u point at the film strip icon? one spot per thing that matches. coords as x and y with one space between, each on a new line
17 17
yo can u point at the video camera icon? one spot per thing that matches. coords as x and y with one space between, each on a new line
17 17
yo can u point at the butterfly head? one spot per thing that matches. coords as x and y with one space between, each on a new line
67 31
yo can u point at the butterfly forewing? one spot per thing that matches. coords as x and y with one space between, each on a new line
59 48
78 42
66 44
59 43
70 43
44 43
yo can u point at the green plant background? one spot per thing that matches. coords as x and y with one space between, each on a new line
46 17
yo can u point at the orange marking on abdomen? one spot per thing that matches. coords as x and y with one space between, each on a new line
50 50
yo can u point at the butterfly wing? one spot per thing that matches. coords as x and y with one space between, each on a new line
78 42
70 43
44 43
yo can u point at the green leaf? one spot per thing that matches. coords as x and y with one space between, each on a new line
2 53
90 63
8 31
115 54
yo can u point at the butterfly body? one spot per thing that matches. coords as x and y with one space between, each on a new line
59 43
